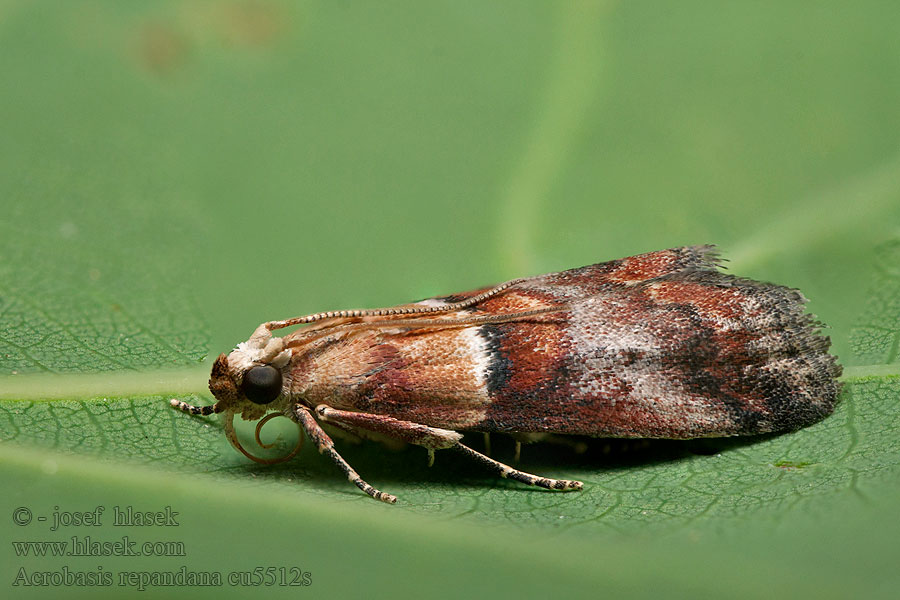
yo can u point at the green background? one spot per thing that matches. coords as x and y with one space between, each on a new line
173 174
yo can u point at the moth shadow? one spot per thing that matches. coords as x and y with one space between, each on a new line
581 457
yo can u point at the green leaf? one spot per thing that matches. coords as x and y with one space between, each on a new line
176 173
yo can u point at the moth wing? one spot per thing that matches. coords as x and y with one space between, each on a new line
656 345
690 353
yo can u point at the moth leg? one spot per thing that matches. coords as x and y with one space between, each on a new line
577 446
191 409
526 438
355 435
326 446
508 472
432 438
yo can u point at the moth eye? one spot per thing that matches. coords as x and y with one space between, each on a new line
262 384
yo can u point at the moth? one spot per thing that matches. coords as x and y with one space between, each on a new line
659 345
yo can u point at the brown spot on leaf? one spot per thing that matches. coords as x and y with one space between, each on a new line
162 49
791 465
252 23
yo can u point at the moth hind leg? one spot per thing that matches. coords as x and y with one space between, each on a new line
508 472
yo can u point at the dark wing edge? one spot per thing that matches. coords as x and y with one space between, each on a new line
793 370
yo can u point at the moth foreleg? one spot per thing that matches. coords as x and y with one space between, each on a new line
191 409
509 473
326 446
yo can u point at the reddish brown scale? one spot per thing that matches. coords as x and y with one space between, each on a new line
710 303
641 270
523 373
655 264
414 377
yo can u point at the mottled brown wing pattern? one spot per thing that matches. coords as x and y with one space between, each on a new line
689 354
656 345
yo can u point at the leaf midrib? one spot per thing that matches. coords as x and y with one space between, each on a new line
192 380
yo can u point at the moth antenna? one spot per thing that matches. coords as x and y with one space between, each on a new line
232 437
195 410
452 322
394 310
422 323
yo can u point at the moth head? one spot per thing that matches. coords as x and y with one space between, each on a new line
251 391
251 380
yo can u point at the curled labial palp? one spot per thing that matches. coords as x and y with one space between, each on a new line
231 434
